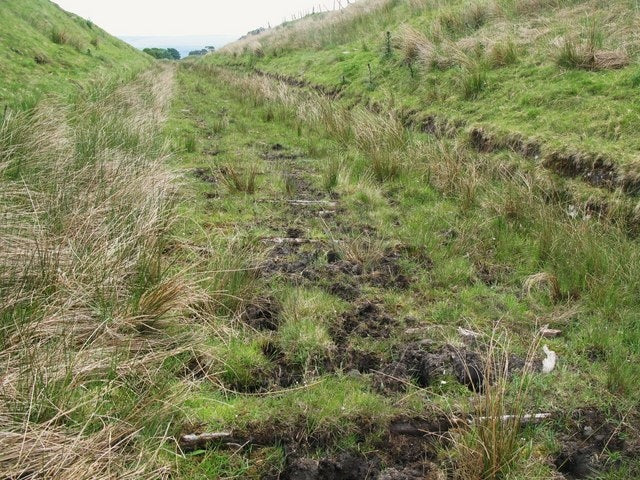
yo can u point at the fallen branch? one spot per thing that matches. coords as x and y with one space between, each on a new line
547 332
294 241
327 203
195 441
528 418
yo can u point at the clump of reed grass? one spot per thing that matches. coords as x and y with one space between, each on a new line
588 53
503 53
490 446
331 174
473 80
240 181
383 140
190 143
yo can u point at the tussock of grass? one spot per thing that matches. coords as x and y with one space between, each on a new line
383 141
473 81
59 37
503 53
587 53
492 446
85 295
240 181
415 46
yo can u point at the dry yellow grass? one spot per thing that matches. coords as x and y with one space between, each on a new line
85 202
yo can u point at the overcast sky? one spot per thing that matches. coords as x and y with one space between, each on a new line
188 17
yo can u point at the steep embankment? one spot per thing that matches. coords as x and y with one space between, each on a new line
45 49
557 81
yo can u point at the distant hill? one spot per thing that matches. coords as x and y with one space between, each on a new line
43 47
184 44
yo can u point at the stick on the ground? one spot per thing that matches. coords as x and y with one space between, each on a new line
528 418
199 440
294 241
327 203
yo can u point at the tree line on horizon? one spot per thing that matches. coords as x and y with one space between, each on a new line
173 54
163 53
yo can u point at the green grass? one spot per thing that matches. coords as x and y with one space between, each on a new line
562 108
506 231
45 49
141 237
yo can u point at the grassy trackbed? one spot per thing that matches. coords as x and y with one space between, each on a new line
351 252
277 263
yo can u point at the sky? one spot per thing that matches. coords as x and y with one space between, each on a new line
189 17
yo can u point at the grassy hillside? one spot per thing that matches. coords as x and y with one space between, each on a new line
562 74
45 49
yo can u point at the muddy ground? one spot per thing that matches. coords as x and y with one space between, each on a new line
408 449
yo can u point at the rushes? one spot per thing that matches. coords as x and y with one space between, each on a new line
491 447
588 52
473 81
383 140
240 181
86 210
503 53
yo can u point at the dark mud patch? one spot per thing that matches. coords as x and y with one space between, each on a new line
345 466
293 260
295 232
205 174
284 374
213 153
486 142
367 320
262 314
300 262
422 363
278 151
588 442
359 361
345 290
405 452
596 170
197 367
385 272
388 273
281 155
